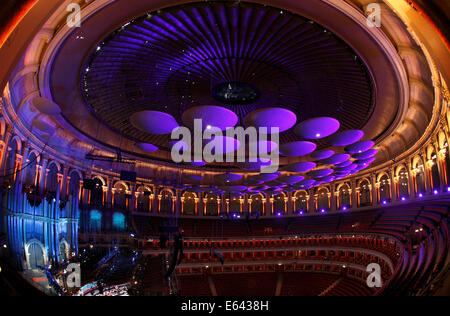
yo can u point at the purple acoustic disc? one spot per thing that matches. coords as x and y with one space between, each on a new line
194 178
198 163
266 177
291 179
365 161
367 154
326 179
309 182
212 117
269 118
317 128
228 177
234 188
262 147
300 167
260 164
346 138
222 145
321 173
154 122
147 147
336 159
297 149
351 167
324 154
344 164
360 147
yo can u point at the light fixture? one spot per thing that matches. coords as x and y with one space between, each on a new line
435 192
420 195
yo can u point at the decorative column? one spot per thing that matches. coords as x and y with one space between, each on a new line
333 203
411 186
132 207
43 174
426 172
393 184
353 195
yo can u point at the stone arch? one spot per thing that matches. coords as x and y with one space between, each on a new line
64 250
36 254
301 201
189 203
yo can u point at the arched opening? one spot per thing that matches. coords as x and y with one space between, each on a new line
257 204
189 203
97 193
323 201
95 221
212 207
11 161
344 196
120 192
279 204
364 194
166 206
235 204
64 250
144 203
301 201
403 184
74 185
36 256
385 189
30 172
419 179
119 222
436 181
52 179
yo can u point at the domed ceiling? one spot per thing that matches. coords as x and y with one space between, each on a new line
243 57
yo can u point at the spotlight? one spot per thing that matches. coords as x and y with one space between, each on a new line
322 211
344 208
279 214
301 213
435 192
420 195
448 189
385 203
403 199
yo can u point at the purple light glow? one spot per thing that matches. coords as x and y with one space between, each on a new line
347 138
385 202
297 149
317 128
435 192
403 199
322 211
420 195
301 167
212 116
323 154
271 118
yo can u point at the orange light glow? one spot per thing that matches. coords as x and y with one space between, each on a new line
9 28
